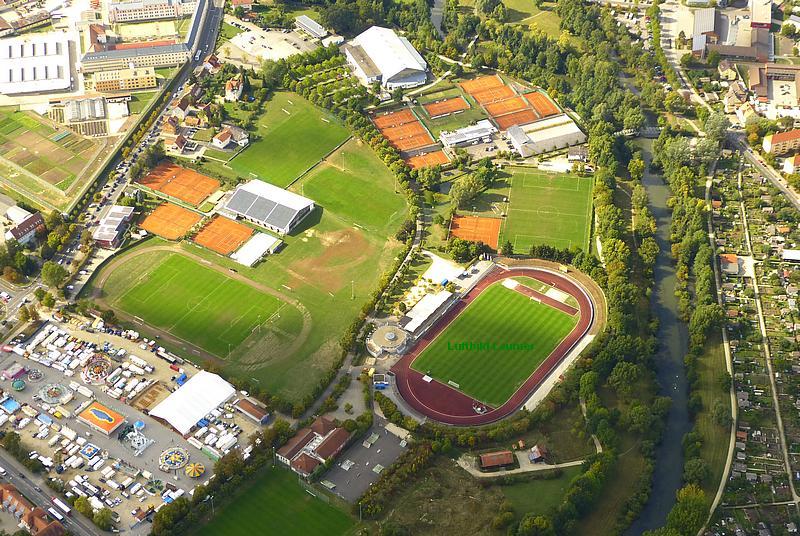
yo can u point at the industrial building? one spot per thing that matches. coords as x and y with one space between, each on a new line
268 206
703 32
761 14
380 55
125 79
36 64
553 133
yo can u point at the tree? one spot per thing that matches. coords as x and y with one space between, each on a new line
623 378
689 513
507 248
789 30
53 274
465 189
535 526
696 471
713 58
82 506
716 126
721 414
636 168
687 60
103 518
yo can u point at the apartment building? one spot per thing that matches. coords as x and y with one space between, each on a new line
125 79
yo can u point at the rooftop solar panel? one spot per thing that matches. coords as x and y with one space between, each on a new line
281 216
261 209
241 201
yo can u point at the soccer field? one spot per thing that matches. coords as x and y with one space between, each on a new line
195 303
548 208
276 504
291 136
357 186
504 319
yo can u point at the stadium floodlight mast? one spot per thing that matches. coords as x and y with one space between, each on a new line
210 498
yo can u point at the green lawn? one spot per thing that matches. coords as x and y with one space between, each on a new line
345 183
192 302
716 439
540 496
547 208
229 31
291 136
525 13
140 100
500 317
204 134
276 504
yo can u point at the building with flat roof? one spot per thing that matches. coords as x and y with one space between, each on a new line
162 55
480 131
37 63
101 418
268 206
380 55
125 79
193 400
256 248
144 10
310 26
782 143
703 32
547 135
114 220
761 14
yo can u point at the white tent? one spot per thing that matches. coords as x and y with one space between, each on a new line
194 400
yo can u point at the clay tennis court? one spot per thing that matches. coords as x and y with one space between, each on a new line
523 117
403 131
447 106
412 142
181 183
394 118
223 235
429 159
477 229
170 221
493 94
543 106
481 83
506 106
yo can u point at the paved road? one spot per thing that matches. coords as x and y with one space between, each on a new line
77 524
738 140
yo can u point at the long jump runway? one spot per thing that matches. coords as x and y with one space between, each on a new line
447 405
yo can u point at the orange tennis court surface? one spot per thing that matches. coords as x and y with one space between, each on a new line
505 106
223 235
170 221
429 159
403 131
477 229
543 106
481 83
181 183
393 119
412 142
493 94
448 106
523 117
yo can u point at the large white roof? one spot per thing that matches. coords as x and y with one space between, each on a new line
255 248
35 63
425 308
279 195
194 400
392 54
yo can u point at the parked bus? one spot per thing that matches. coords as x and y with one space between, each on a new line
55 515
61 506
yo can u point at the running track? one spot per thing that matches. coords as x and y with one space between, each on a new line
444 404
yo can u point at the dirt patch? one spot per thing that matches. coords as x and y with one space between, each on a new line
343 249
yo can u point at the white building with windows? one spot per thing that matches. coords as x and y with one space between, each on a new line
36 63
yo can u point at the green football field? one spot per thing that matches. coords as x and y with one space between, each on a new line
192 302
290 136
547 208
276 504
521 331
357 186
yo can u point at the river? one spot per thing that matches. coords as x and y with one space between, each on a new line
673 345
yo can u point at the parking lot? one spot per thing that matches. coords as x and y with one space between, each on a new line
355 468
127 473
255 44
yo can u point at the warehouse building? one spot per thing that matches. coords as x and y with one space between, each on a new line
199 396
553 133
761 14
380 55
35 64
268 206
125 79
310 26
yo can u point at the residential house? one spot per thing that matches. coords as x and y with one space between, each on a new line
25 229
30 517
731 264
231 134
212 64
179 144
727 71
171 126
181 108
735 97
745 112
234 88
791 164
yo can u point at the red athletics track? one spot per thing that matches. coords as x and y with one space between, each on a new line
444 404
